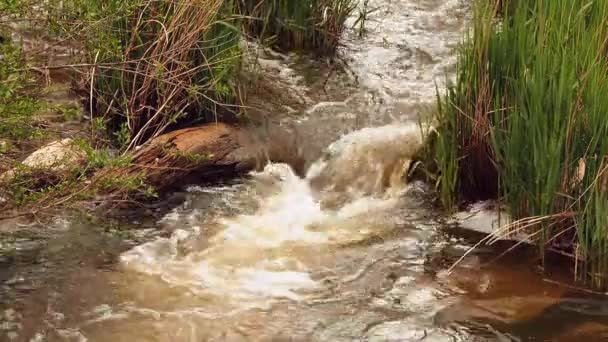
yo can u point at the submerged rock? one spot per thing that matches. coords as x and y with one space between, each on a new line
533 317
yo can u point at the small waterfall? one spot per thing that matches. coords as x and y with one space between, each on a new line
367 162
268 254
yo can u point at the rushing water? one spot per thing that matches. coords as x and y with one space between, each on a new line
346 252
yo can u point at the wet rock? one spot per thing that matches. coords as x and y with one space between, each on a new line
486 218
170 159
506 310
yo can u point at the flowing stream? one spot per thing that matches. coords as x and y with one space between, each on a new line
346 252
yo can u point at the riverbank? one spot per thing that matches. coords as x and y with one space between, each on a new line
524 122
141 70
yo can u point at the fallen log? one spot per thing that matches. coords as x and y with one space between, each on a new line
172 158
200 154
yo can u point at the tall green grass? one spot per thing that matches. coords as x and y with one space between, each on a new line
162 63
313 25
157 63
527 121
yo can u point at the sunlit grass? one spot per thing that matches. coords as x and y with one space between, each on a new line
526 121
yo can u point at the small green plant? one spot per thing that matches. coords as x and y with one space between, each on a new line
134 185
69 112
14 7
17 97
123 135
192 157
27 187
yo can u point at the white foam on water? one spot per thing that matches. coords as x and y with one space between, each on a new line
237 263
254 258
282 217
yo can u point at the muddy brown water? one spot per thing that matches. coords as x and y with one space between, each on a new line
345 252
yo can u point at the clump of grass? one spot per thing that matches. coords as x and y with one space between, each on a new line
155 63
313 25
526 122
158 64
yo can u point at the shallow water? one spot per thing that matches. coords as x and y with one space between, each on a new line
346 252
